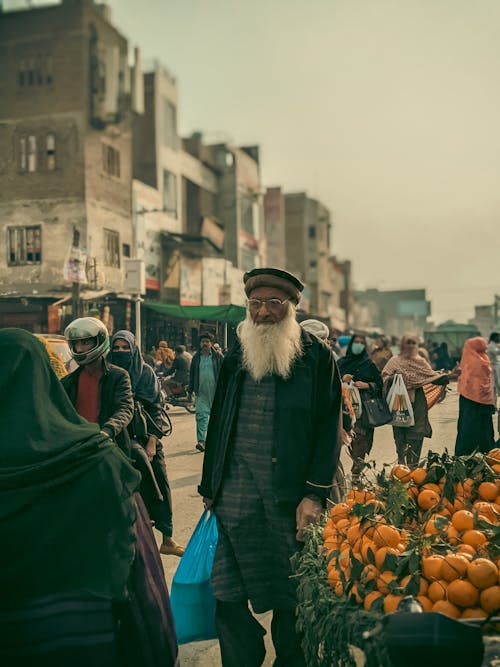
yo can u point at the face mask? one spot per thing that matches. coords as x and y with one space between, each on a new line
122 359
357 348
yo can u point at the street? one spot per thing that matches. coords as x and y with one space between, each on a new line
184 469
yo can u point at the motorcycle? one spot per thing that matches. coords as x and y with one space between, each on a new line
175 395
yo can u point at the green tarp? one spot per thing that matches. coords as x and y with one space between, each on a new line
229 313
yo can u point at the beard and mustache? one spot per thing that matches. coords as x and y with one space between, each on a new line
270 349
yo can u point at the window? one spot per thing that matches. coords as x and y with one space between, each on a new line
35 70
111 248
51 151
110 160
23 159
312 232
170 193
313 263
247 217
169 124
31 153
126 249
24 245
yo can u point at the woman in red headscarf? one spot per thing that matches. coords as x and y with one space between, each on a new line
477 402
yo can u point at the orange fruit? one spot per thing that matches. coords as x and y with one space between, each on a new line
495 467
485 510
384 580
437 590
391 603
328 530
474 537
489 599
423 584
466 550
452 534
386 536
333 577
432 529
446 608
413 492
463 593
418 475
493 456
353 534
488 490
339 511
355 593
331 544
367 545
482 573
369 573
431 567
425 602
454 567
360 496
343 526
370 599
338 589
459 503
381 553
431 487
463 520
474 612
401 472
427 499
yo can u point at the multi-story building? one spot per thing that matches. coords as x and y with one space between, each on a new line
68 96
307 243
274 216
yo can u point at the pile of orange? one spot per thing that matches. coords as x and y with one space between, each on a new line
458 568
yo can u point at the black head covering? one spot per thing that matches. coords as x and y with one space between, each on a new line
144 382
66 505
359 366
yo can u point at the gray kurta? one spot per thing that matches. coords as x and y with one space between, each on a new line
256 535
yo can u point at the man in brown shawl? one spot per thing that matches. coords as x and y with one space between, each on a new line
272 450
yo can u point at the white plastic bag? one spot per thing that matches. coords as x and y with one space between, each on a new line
400 404
355 397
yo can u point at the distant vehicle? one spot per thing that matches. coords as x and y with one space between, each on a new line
60 346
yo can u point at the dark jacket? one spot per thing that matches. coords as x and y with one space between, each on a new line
306 445
180 367
194 372
116 403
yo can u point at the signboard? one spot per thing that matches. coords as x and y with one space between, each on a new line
74 266
190 282
135 276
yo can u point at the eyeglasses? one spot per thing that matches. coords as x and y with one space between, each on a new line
272 305
411 342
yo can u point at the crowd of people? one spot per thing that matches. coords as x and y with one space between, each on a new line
84 478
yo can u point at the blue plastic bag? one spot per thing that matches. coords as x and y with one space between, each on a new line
192 598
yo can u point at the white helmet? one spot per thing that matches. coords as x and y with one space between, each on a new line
85 328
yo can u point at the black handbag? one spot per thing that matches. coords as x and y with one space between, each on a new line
377 411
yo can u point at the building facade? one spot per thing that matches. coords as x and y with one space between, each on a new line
68 97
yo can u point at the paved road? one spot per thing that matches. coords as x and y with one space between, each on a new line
184 468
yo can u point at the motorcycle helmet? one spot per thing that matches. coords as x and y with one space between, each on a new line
84 328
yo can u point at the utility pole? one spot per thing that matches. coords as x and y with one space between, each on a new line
75 287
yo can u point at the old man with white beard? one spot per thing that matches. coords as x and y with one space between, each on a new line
271 453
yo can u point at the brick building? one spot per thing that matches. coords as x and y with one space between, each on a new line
68 96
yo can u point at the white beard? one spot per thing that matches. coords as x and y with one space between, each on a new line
270 349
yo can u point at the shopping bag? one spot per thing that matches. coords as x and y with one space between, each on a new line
377 411
355 398
192 598
400 404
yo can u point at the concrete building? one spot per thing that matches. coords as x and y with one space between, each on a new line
68 96
307 243
487 318
396 312
274 217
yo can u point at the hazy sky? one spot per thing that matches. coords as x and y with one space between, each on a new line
387 110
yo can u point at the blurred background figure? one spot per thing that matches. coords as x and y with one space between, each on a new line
494 357
164 356
204 371
477 399
381 352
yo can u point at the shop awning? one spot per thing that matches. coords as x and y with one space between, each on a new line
230 313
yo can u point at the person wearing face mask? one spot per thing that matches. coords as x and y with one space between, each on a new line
417 374
146 391
356 366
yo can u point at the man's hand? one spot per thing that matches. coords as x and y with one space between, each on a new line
308 511
347 378
151 447
207 502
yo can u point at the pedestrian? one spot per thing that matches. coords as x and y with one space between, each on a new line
177 378
416 373
443 359
204 371
381 352
494 357
357 367
80 580
99 391
146 393
164 357
271 453
476 399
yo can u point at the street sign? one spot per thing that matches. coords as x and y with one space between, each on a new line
135 276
